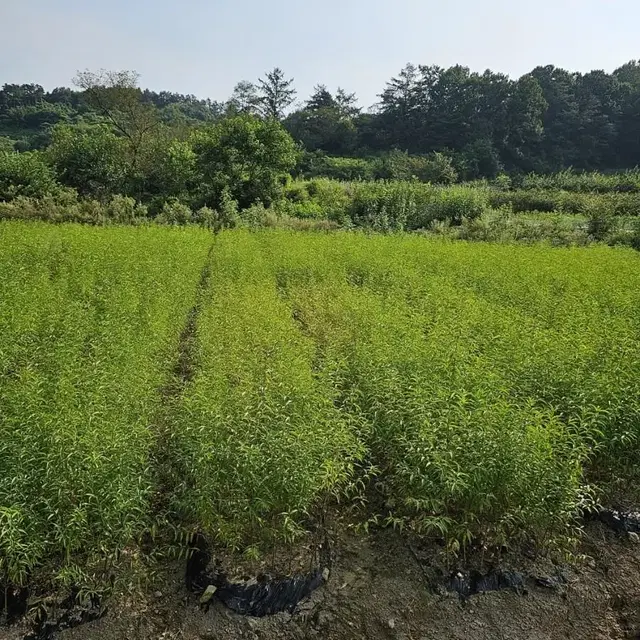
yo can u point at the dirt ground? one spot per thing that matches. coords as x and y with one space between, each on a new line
378 589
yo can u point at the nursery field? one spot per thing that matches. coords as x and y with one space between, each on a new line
161 380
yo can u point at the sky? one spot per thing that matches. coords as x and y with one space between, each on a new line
204 47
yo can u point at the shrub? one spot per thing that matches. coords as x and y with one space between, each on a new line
383 206
174 212
302 210
600 223
92 160
296 192
398 165
123 209
502 182
90 320
585 182
525 201
456 204
205 217
625 204
336 168
25 174
475 375
7 145
634 236
332 197
226 216
257 440
255 216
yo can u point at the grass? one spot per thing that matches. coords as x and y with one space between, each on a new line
478 392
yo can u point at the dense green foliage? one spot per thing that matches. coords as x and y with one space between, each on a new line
547 120
248 158
258 439
90 320
472 391
25 174
184 160
483 379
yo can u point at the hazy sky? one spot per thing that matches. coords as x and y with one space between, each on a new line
205 46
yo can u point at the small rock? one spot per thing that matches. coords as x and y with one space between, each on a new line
207 596
391 623
157 594
325 574
634 537
323 618
348 579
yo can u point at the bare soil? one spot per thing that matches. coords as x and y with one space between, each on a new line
379 589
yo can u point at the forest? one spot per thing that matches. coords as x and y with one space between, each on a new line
485 123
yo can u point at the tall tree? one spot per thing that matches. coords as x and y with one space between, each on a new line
629 125
346 103
276 94
244 99
117 97
320 99
562 118
247 157
398 109
92 160
523 124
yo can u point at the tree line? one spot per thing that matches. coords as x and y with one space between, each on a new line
107 135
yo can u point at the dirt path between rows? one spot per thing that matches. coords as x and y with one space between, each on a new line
377 590
184 370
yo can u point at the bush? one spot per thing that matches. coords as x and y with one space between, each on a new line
585 182
226 216
65 206
456 204
398 165
296 192
174 212
205 217
25 174
333 198
634 236
502 182
90 321
383 205
525 201
600 223
123 209
302 210
625 204
7 145
92 160
506 227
